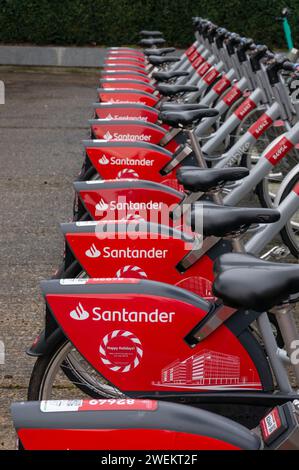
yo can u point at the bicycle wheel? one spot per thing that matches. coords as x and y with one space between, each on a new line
253 152
65 372
268 188
290 232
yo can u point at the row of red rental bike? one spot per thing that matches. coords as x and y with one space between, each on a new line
171 322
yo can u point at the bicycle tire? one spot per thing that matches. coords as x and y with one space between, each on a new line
286 235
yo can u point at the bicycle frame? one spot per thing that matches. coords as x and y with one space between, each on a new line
271 156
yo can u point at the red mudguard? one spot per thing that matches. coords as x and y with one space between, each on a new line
120 56
110 95
133 333
120 199
117 439
120 60
125 244
133 111
118 67
138 160
125 56
125 50
130 131
118 84
126 75
123 254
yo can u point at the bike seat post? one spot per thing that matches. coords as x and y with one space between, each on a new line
285 318
150 69
237 243
162 100
196 148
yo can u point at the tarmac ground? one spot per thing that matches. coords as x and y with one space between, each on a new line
42 123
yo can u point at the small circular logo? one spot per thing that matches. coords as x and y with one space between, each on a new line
131 271
121 351
127 173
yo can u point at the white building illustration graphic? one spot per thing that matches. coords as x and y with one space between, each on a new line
205 368
200 286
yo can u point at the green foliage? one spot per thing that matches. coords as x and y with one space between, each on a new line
116 22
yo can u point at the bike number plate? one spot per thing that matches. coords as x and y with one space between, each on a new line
54 406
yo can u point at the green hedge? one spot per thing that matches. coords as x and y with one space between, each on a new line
115 22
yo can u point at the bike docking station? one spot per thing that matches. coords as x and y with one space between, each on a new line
170 326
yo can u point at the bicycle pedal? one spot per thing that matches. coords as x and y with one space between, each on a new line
277 252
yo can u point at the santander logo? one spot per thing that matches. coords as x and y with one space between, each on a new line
126 117
127 137
102 206
108 136
103 160
93 252
79 313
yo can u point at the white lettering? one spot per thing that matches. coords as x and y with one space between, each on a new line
278 153
124 315
152 253
132 137
131 161
150 205
126 117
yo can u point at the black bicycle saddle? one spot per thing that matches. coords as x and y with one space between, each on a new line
150 42
221 221
237 260
185 118
255 284
167 59
196 179
159 52
165 76
172 90
171 106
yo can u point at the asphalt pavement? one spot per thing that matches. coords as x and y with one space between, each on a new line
42 123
